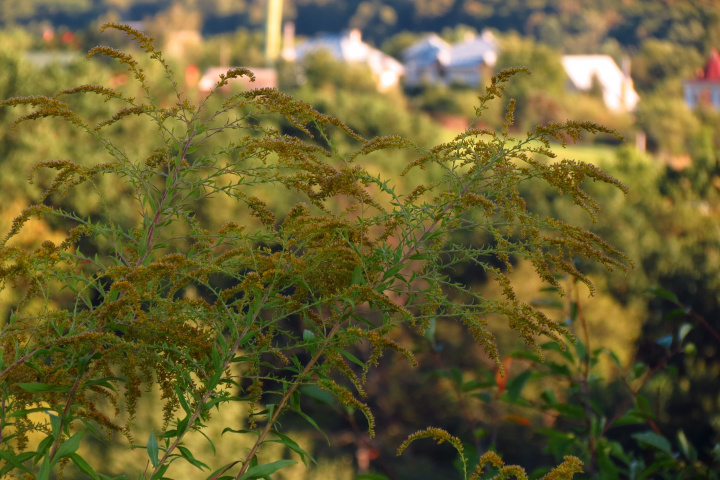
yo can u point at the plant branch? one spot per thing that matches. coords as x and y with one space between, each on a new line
66 410
283 402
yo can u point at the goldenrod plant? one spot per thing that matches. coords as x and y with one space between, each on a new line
251 312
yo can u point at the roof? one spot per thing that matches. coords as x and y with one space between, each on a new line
711 72
348 47
471 52
616 88
426 51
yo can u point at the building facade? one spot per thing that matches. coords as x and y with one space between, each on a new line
705 88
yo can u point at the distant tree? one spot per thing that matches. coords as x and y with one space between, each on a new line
668 122
546 84
662 65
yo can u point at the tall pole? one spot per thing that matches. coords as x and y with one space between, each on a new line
273 28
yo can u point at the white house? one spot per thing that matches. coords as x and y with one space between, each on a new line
617 88
349 47
433 61
705 89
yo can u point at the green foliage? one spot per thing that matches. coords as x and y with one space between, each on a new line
669 123
322 69
587 404
662 66
535 95
586 428
252 312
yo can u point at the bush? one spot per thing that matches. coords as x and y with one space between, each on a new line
253 312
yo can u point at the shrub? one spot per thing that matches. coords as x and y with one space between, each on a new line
250 313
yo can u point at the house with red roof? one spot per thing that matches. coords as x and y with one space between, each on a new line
705 89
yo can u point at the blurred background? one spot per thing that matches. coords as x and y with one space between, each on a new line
647 68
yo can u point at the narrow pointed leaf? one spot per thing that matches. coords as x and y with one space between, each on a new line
153 450
84 466
262 471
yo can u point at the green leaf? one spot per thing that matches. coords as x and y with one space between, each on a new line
153 450
312 422
392 271
84 466
292 445
159 474
37 387
56 423
187 455
261 471
654 440
44 473
357 277
17 460
68 447
182 425
666 294
26 411
430 331
643 404
103 382
560 370
254 432
319 395
308 336
613 356
631 417
572 411
549 397
686 447
212 445
372 476
351 357
43 446
573 311
181 398
295 400
638 370
216 475
685 328
515 386
607 465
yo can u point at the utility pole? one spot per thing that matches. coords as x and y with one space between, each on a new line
273 26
